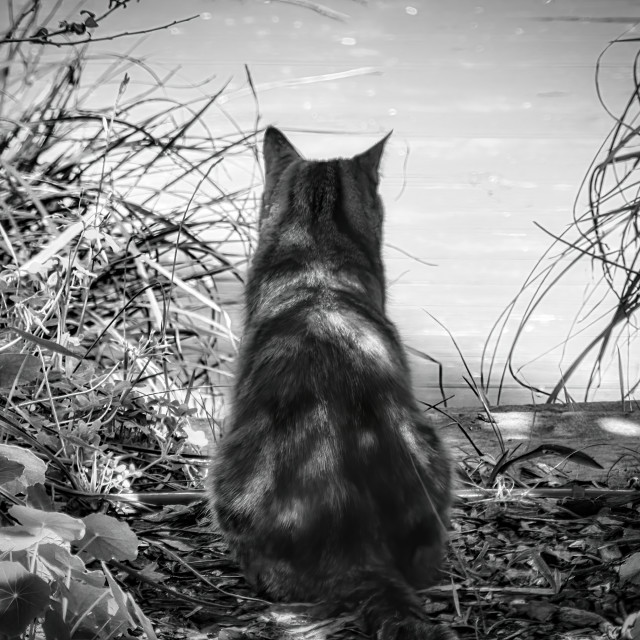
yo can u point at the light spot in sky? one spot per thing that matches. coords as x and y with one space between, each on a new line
275 19
479 9
206 15
306 105
230 22
286 71
519 31
393 112
297 24
175 31
371 92
412 11
248 19
261 33
349 42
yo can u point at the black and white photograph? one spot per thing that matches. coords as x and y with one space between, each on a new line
319 320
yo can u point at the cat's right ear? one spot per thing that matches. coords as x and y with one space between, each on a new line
278 152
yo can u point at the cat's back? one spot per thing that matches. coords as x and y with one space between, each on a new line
320 480
316 288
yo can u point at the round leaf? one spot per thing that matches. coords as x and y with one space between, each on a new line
23 596
107 538
65 526
19 538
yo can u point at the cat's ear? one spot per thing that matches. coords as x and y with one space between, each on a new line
278 152
369 161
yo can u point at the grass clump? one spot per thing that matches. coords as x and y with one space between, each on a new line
599 343
118 227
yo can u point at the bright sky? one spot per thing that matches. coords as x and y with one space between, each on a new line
495 120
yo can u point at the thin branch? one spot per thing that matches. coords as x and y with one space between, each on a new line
37 40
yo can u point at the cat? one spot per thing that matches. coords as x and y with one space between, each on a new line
329 482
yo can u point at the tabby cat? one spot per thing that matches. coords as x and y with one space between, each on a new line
329 482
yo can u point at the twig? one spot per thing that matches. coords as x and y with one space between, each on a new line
63 43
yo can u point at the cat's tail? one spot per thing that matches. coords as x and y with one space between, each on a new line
393 611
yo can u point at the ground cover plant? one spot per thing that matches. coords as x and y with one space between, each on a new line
115 350
110 333
605 234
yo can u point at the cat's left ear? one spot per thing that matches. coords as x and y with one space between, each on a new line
369 161
278 152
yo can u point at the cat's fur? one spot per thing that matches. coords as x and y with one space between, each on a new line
329 482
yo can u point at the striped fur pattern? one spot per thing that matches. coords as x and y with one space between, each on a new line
329 481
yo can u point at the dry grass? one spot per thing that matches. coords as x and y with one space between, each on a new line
117 228
601 339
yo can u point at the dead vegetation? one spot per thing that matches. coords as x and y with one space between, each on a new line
605 234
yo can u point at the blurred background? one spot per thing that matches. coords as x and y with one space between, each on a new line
499 109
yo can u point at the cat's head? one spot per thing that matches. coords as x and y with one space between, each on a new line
300 191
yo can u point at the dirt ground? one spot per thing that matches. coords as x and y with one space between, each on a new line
545 541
